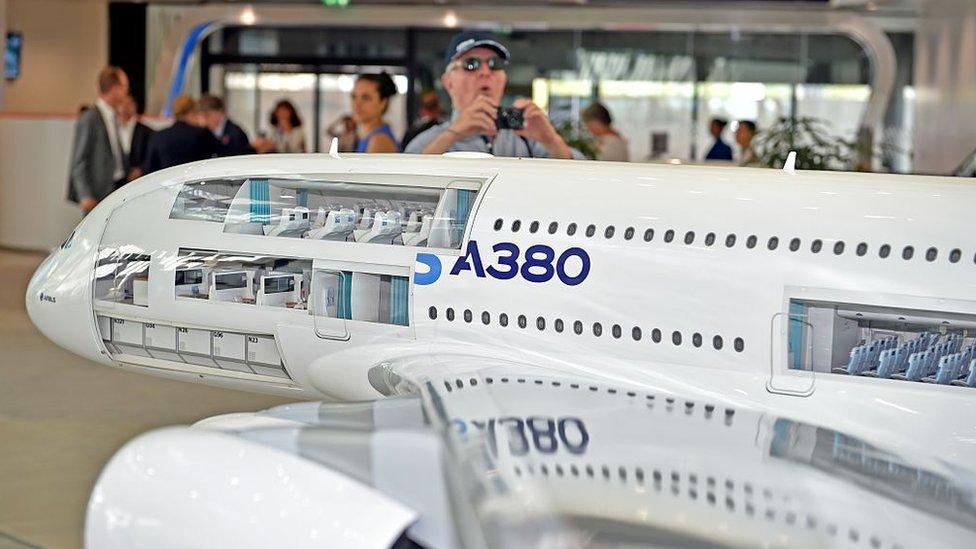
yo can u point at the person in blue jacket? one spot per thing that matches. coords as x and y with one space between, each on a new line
720 150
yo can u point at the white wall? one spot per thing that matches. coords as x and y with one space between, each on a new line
65 44
34 151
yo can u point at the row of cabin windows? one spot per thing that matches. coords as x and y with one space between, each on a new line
751 242
596 328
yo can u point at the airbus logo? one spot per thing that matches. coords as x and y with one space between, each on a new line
538 264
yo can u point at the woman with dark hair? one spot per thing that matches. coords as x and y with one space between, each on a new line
286 130
370 100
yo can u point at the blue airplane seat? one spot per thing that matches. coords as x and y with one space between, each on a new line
888 363
916 363
874 351
931 363
853 362
901 359
967 377
946 371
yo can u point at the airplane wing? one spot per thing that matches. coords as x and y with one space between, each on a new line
470 452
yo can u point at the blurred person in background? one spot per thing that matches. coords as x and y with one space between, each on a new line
475 79
370 100
185 141
233 140
720 149
610 144
431 114
745 132
97 166
133 137
343 128
286 131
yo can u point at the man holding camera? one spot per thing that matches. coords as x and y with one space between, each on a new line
475 79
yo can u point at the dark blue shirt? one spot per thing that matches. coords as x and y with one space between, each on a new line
719 151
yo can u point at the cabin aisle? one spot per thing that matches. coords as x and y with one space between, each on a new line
62 417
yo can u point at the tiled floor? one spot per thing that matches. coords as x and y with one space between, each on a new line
62 417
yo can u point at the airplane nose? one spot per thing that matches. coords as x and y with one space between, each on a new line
58 298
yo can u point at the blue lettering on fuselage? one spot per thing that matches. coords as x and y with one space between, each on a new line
433 269
538 264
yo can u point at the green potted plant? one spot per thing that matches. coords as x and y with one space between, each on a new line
815 147
579 139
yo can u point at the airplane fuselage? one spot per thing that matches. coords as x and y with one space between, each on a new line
752 287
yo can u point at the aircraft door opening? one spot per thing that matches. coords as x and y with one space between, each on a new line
354 300
792 341
330 303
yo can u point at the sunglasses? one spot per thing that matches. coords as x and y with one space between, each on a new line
471 64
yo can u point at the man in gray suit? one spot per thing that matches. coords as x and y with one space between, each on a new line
97 162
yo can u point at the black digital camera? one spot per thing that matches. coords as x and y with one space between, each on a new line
510 118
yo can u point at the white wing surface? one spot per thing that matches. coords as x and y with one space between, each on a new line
470 452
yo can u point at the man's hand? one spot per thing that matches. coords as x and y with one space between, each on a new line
538 128
135 173
264 145
477 119
88 204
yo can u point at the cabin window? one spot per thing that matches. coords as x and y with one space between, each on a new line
367 297
424 211
886 342
205 200
122 276
261 280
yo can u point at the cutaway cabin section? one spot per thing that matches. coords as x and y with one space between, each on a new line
403 210
207 284
250 279
882 342
122 276
363 296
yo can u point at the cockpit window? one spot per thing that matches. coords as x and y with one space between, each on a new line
68 241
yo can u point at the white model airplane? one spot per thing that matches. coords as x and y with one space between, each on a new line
580 344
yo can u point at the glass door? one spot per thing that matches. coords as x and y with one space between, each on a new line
251 97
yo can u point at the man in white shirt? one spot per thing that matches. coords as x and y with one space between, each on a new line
133 137
97 160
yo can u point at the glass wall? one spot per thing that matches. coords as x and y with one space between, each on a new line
662 88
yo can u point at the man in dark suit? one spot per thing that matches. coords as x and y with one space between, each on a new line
185 141
720 150
233 139
133 136
97 165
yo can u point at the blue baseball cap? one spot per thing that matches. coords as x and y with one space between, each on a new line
466 41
